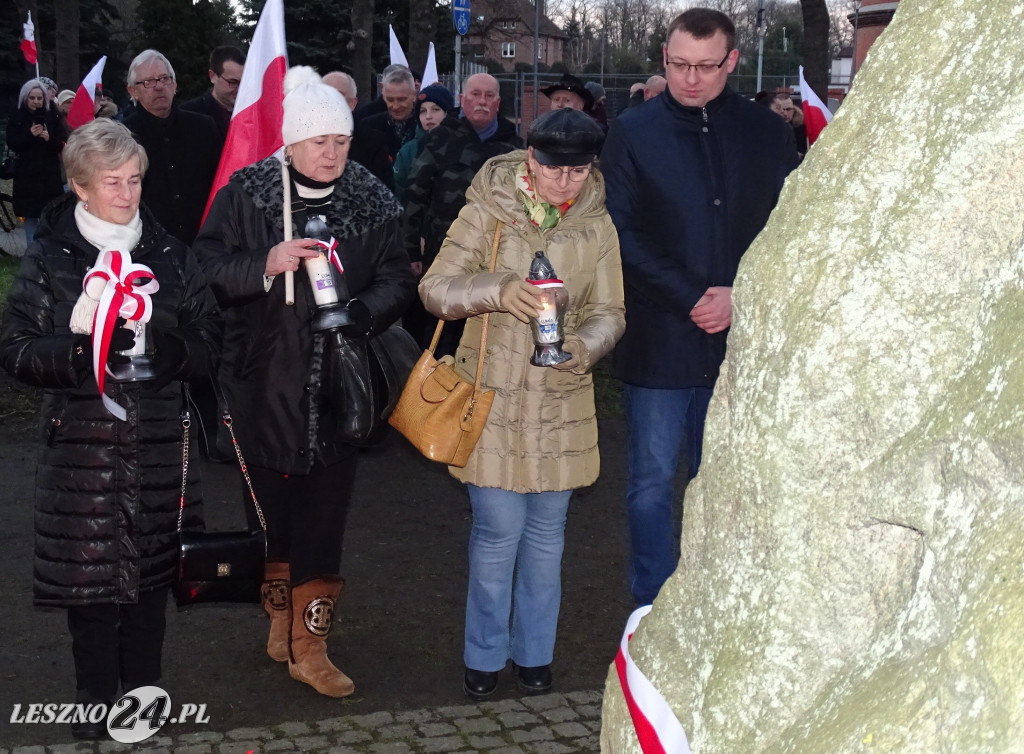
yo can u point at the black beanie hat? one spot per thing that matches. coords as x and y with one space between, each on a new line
565 137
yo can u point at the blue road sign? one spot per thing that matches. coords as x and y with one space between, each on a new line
460 13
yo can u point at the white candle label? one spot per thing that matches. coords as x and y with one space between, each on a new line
319 271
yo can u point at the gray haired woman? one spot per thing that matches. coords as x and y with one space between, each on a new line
109 470
34 133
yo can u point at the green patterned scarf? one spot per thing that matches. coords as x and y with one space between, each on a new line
541 214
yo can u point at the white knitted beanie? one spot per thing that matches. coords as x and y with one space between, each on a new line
311 108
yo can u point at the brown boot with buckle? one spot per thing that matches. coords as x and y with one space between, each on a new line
276 604
312 615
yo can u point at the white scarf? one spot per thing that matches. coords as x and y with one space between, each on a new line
105 236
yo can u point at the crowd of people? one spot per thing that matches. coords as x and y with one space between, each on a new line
435 208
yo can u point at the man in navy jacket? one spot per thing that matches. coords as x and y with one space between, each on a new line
691 176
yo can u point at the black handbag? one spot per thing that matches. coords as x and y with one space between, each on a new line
219 566
9 166
365 377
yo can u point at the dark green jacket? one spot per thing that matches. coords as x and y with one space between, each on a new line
451 156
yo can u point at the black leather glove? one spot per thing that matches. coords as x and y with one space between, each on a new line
121 339
362 320
169 355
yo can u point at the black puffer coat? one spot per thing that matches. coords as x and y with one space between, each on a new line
272 362
37 178
107 491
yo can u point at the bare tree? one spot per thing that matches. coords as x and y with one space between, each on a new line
422 29
361 47
817 60
68 16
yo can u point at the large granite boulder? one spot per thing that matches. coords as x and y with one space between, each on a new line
852 575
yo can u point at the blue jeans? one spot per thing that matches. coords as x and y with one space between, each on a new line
31 225
661 424
515 572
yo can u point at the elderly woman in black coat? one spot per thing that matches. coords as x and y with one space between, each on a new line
108 482
279 357
34 133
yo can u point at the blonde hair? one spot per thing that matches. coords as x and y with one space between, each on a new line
100 144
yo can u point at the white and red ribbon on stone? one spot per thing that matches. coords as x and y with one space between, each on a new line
122 295
657 727
331 249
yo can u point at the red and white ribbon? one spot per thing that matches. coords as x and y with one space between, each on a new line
657 727
122 296
331 249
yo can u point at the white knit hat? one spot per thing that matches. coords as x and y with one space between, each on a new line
311 108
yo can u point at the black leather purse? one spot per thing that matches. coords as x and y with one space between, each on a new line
219 566
365 378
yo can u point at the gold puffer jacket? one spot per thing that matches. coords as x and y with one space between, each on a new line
541 434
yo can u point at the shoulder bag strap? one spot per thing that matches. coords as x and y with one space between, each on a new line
483 331
186 422
483 334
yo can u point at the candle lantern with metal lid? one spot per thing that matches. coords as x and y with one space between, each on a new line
330 314
548 327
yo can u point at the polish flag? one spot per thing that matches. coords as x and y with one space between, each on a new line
83 106
28 44
816 114
430 70
255 130
397 55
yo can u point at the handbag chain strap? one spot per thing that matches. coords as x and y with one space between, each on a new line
186 422
483 331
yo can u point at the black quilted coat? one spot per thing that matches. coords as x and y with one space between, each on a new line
273 364
107 491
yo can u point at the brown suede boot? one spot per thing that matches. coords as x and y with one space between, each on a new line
277 603
312 615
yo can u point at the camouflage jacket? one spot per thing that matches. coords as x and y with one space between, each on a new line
451 156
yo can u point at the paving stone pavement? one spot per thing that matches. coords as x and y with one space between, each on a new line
567 723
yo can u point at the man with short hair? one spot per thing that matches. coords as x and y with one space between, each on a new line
452 154
398 123
654 86
782 105
691 177
218 102
183 147
368 147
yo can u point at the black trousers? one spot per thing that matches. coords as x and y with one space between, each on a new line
305 517
115 644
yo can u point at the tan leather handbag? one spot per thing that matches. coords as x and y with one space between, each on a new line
439 412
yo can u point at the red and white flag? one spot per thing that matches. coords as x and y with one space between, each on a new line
430 70
816 114
28 43
397 54
255 130
83 106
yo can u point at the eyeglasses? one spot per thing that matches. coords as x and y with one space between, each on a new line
704 69
229 82
555 172
151 83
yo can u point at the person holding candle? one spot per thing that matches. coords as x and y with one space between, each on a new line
351 278
540 440
108 480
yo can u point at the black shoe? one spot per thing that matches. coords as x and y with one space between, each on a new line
84 730
534 680
480 684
